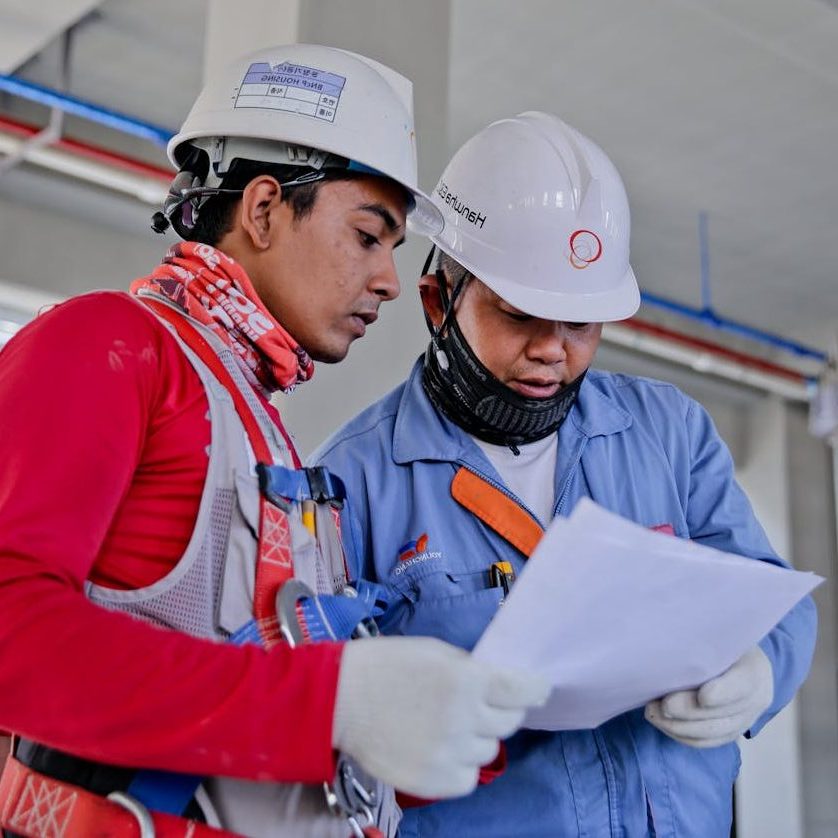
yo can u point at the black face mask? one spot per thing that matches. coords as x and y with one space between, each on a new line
466 392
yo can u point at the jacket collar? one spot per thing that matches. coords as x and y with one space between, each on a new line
422 433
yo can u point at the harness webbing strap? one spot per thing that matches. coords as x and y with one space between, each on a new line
199 345
496 510
37 806
274 564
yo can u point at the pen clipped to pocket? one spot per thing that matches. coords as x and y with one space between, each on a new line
501 575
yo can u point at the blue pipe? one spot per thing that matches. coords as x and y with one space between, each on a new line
710 318
87 110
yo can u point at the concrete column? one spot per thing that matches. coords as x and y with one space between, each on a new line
768 792
812 478
236 28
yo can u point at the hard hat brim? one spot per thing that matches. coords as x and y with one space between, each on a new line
424 217
618 303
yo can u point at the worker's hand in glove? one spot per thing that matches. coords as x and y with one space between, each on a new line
721 710
423 715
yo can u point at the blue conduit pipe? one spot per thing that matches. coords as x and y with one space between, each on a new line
709 318
704 255
87 110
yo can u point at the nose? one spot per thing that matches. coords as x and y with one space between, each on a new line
548 343
385 280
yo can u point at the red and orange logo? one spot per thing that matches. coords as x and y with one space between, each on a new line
413 548
585 248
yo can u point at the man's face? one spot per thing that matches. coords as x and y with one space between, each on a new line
326 274
532 356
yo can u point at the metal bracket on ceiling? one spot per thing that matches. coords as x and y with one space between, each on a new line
53 130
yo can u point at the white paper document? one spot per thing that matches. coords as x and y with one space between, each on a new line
615 615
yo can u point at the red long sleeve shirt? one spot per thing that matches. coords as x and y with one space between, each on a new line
103 443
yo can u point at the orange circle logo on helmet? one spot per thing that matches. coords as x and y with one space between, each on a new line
585 248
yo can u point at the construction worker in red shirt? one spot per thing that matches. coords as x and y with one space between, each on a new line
166 564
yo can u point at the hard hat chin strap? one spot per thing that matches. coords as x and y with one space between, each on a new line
447 307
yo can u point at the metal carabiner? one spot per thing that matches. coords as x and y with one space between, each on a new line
352 795
140 813
286 610
357 829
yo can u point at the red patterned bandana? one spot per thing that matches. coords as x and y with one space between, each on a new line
215 290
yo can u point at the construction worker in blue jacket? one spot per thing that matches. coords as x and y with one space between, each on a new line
501 426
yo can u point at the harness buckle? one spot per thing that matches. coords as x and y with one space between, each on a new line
282 485
325 487
140 813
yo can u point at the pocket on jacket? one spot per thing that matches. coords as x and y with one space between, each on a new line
452 606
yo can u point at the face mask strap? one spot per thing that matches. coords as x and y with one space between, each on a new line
447 307
448 304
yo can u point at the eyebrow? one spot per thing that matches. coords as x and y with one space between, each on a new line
386 216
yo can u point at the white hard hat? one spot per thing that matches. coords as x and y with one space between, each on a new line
316 97
537 212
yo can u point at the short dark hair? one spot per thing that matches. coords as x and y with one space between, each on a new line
215 218
453 270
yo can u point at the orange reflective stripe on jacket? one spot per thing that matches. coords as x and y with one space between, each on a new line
497 510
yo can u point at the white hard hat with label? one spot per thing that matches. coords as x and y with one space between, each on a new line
538 212
315 97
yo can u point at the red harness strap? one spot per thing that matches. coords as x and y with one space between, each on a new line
37 806
274 563
497 510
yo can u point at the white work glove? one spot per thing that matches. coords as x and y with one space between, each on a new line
423 715
720 710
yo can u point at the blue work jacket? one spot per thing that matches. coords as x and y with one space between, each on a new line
638 447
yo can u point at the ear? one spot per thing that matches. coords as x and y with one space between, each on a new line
257 212
431 298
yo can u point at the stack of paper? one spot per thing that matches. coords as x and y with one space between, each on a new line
616 615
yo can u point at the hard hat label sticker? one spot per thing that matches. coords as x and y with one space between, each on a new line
291 87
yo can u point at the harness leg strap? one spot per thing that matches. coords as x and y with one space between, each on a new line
36 806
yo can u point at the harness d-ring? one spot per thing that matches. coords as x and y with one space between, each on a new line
142 815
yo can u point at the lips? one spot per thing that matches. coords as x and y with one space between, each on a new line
536 388
362 319
367 316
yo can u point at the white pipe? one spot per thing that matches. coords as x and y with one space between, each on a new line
704 362
18 305
142 187
22 299
45 137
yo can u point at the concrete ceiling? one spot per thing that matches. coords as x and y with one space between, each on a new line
27 30
723 106
728 107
